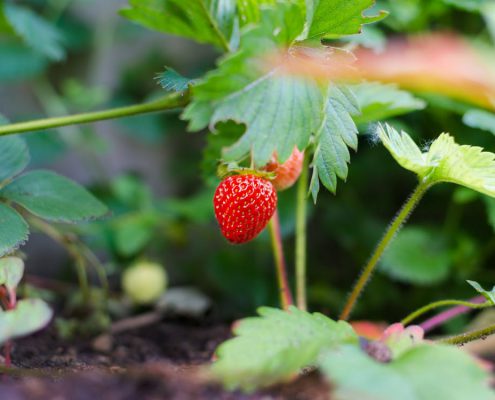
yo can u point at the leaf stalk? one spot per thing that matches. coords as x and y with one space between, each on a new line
390 234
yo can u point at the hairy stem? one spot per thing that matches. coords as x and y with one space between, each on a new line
443 303
281 268
390 233
302 188
447 315
469 337
175 100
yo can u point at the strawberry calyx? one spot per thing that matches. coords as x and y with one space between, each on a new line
230 169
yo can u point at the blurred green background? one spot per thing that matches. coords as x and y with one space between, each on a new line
148 169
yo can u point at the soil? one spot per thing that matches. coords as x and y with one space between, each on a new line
164 361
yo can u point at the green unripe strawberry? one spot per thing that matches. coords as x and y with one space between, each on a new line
144 282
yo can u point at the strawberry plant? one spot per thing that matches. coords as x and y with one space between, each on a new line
295 84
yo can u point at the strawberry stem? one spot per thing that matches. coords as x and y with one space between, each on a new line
390 234
286 299
302 187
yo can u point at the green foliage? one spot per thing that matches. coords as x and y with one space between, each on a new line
489 295
480 119
11 272
14 230
205 21
281 112
336 132
171 80
418 255
53 197
445 160
424 372
19 62
330 19
469 5
29 316
378 101
14 157
36 32
275 346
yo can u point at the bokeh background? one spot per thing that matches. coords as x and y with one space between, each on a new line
148 169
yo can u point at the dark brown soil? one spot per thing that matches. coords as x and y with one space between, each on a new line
164 361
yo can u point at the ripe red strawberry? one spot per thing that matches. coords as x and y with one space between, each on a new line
288 172
244 205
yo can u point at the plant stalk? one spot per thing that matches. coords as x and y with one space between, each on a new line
443 303
464 338
286 299
175 100
390 233
301 231
447 315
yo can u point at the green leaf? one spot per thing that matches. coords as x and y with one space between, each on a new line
19 63
424 372
490 210
480 119
28 317
379 101
275 346
11 272
171 80
249 10
336 132
53 197
205 21
38 33
280 112
489 295
418 255
332 19
14 156
14 230
445 161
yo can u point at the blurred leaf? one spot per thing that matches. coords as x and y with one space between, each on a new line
83 97
201 20
42 36
424 372
11 272
417 255
19 63
196 208
171 80
14 156
14 230
53 197
468 5
445 160
44 148
133 232
480 119
336 132
464 195
335 18
28 317
132 192
382 101
488 295
276 345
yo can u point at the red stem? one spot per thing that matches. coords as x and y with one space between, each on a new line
283 283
